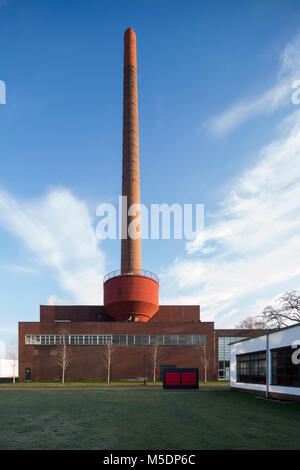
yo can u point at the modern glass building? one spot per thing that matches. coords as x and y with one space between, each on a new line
269 364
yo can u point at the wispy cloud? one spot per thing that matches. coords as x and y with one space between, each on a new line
20 269
267 102
58 230
254 242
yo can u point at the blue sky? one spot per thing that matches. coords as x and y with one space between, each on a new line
217 127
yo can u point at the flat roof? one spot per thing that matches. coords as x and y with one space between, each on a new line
268 332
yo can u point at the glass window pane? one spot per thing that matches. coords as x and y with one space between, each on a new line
130 339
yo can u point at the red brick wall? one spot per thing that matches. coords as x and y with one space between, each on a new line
82 313
177 313
87 362
166 313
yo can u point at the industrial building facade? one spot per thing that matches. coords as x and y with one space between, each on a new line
268 365
175 332
142 336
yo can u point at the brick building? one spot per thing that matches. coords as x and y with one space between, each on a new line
181 337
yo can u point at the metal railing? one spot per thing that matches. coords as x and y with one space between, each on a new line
135 272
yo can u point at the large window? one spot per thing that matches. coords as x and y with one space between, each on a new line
120 340
224 346
251 368
224 355
284 372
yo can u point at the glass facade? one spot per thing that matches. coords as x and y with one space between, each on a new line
285 370
120 340
224 355
251 368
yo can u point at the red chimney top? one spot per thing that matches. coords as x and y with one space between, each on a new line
130 48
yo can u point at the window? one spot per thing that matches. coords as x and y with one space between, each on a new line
156 339
28 339
199 340
80 339
224 370
73 339
224 355
182 340
120 340
251 368
101 339
94 339
167 339
130 339
145 340
224 348
284 372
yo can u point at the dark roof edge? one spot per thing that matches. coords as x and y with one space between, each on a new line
268 332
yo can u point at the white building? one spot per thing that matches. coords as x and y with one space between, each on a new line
8 368
268 364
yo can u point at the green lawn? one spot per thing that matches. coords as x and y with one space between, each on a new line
151 419
94 383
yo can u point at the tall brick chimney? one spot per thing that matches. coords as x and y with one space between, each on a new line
131 257
131 293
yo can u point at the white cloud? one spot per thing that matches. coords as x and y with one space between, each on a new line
20 269
266 103
57 229
54 300
256 236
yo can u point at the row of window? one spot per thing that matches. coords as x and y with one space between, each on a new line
121 340
251 368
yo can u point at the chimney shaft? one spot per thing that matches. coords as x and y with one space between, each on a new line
136 296
130 248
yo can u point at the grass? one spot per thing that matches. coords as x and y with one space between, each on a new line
94 383
90 383
129 419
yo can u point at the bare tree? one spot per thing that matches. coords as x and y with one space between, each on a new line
109 350
251 323
284 312
63 358
154 359
204 356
